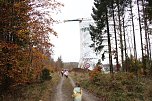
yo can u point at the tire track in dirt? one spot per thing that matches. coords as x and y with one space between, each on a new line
67 90
58 93
63 90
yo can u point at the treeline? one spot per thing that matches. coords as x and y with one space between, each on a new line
126 24
25 45
70 65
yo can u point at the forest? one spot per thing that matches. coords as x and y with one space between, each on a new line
127 26
26 47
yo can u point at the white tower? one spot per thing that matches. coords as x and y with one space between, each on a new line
88 58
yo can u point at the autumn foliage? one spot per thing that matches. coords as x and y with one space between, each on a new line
25 45
94 73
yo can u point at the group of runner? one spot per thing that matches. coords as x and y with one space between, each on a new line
65 73
77 91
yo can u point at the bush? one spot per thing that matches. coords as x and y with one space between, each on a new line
6 83
45 75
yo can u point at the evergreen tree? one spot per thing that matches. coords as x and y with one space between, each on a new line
59 63
100 29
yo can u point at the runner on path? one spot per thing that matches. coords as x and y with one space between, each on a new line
62 72
64 91
66 73
77 93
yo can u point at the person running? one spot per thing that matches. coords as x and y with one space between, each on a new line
62 72
66 73
77 93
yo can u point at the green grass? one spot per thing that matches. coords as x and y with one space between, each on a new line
124 86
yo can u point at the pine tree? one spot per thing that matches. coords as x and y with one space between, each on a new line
97 31
101 28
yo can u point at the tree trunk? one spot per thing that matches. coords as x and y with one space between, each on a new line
109 44
120 30
146 38
134 38
116 53
133 29
125 46
141 38
146 28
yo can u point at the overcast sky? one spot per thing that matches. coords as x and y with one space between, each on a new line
67 45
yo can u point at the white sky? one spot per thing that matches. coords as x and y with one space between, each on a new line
67 45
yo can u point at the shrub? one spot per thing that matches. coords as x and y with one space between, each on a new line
45 75
6 83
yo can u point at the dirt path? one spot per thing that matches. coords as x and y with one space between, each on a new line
58 94
64 89
86 95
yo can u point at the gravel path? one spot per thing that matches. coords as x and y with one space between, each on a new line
64 90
